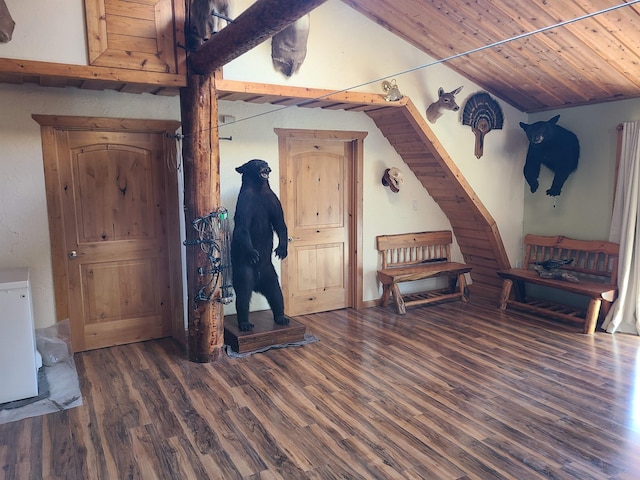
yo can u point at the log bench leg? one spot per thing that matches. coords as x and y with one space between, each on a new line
592 316
506 292
520 291
462 287
386 293
397 298
453 282
604 308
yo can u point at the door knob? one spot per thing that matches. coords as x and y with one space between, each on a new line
72 254
291 239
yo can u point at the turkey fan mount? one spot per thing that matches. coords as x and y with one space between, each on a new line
483 114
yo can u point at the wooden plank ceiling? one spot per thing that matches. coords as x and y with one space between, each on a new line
593 60
589 61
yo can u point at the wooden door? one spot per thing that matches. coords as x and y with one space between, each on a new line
111 205
317 173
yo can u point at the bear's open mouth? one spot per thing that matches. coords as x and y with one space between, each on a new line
264 173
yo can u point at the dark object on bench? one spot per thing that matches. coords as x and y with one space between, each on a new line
553 264
417 256
595 265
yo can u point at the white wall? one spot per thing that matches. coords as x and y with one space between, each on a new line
345 50
47 31
583 210
384 211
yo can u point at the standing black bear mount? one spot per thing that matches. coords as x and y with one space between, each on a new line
553 146
258 215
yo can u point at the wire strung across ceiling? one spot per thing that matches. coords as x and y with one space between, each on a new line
440 61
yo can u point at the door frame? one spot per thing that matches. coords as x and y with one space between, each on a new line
49 126
355 202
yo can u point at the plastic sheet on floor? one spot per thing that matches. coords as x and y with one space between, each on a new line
58 385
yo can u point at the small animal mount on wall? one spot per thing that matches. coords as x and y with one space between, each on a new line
446 101
6 23
392 91
392 178
289 47
483 114
554 147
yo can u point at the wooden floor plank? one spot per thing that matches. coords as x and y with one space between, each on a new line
453 391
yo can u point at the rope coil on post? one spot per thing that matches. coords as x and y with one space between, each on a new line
214 239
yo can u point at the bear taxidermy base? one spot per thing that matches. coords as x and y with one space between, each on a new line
258 215
554 147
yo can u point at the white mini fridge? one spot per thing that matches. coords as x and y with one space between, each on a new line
18 357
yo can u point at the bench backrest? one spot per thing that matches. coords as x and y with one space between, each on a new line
593 260
414 248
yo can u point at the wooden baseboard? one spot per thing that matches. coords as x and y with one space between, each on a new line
370 303
485 291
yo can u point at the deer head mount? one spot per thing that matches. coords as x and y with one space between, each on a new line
446 101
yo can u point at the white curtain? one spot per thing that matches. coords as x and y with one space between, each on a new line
624 315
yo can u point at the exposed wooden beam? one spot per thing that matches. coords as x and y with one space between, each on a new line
201 159
90 73
234 90
259 22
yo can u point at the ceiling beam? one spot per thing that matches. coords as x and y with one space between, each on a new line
259 22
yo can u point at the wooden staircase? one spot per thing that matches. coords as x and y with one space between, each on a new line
408 132
473 226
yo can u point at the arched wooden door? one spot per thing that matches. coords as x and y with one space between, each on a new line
319 195
113 214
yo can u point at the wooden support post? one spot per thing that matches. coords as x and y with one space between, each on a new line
201 156
201 159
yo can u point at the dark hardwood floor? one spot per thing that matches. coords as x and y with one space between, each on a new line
450 391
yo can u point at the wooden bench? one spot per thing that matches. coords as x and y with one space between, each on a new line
417 256
594 266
